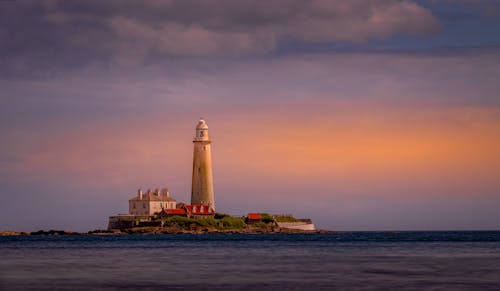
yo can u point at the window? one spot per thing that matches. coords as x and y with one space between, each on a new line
143 205
133 206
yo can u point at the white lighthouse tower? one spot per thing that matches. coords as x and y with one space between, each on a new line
202 190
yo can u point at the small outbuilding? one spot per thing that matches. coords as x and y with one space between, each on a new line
254 217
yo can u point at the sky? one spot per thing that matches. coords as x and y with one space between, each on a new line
361 115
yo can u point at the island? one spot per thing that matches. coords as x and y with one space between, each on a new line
156 211
218 223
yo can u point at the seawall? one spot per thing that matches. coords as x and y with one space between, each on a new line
300 225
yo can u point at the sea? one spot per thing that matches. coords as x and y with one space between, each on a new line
439 260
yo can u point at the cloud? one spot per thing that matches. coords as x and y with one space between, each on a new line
131 32
234 28
187 40
354 21
261 27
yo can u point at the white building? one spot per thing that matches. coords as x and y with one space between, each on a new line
150 202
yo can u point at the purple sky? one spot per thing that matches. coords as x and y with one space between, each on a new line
362 115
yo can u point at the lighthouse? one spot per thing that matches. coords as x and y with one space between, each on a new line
202 189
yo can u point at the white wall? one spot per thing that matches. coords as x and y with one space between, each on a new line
149 207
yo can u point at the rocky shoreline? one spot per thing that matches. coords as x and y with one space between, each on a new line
168 230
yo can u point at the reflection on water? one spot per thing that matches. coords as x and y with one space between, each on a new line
358 260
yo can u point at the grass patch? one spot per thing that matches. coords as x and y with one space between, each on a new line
206 221
229 222
180 221
226 222
285 218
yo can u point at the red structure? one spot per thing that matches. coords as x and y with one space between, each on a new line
199 210
254 216
186 210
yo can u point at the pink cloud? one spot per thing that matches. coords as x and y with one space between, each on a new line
215 33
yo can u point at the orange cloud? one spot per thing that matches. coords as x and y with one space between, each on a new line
444 151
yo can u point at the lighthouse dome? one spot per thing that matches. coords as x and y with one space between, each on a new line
201 124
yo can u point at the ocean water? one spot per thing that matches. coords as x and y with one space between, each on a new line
340 261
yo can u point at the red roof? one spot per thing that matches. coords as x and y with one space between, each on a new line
199 209
254 216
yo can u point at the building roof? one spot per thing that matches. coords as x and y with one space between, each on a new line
199 209
153 197
201 124
254 216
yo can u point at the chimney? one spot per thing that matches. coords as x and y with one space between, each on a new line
164 192
140 194
157 192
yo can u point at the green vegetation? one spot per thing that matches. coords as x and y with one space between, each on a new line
180 221
260 224
220 221
226 222
266 218
207 221
285 218
230 222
